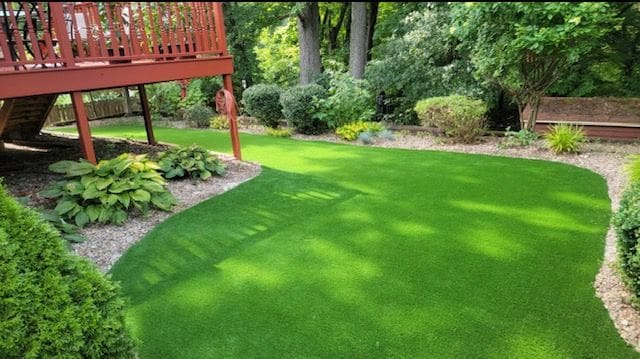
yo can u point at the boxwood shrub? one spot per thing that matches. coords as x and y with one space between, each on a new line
300 105
53 304
627 224
263 102
460 117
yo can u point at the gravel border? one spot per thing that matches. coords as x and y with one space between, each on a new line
105 244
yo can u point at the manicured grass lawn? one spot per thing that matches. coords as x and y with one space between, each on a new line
345 251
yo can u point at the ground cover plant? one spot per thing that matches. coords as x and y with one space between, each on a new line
353 251
193 161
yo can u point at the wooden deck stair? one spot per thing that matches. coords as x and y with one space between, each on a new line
23 117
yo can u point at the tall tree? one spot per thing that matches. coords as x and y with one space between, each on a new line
309 39
358 39
373 18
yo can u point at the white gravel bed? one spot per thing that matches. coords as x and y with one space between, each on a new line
105 244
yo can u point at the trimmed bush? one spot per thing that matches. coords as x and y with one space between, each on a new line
299 106
193 161
219 122
627 224
351 131
565 138
198 115
460 117
109 191
263 102
53 304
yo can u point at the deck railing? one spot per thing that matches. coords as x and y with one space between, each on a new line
46 35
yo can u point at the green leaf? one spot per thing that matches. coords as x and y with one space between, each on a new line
91 192
119 217
112 199
152 187
82 219
74 238
103 183
93 211
80 168
176 172
61 167
125 199
74 187
51 192
140 195
64 206
205 175
106 214
87 180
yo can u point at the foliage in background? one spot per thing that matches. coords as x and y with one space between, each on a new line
193 161
627 224
563 138
201 91
219 122
299 104
421 60
109 191
53 304
347 100
278 54
198 115
164 99
518 138
262 101
460 117
279 132
351 131
524 47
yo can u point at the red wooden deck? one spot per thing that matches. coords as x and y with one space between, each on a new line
65 47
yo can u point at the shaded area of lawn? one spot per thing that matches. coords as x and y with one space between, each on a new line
344 251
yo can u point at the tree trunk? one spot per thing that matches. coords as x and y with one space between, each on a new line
358 39
309 38
335 30
127 101
533 117
373 18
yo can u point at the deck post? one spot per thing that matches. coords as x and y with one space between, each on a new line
146 113
233 123
82 123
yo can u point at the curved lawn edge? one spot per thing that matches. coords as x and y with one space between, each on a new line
609 287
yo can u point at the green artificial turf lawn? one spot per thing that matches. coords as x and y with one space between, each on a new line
352 251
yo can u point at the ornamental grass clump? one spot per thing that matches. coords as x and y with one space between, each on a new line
565 138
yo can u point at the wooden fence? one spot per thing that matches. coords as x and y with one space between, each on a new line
63 114
604 117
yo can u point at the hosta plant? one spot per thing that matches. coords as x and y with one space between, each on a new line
193 161
109 191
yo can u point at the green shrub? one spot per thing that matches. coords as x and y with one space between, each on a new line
164 99
193 161
564 137
198 115
219 122
53 304
279 132
627 224
351 131
348 101
460 117
109 191
263 102
299 105
633 168
519 138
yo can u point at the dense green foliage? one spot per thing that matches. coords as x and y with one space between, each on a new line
518 138
53 304
263 102
193 161
524 47
278 54
278 132
164 99
351 131
353 245
299 106
460 117
627 224
563 138
199 115
348 100
109 191
219 122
